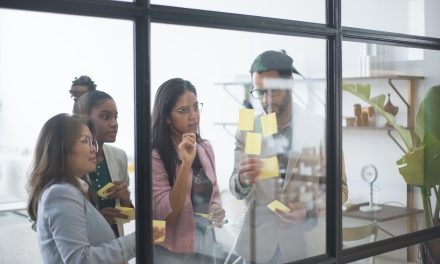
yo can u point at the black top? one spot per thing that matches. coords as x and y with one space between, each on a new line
201 190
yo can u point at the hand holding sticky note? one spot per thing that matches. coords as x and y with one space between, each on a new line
270 168
278 205
246 119
269 124
160 224
128 211
103 192
253 143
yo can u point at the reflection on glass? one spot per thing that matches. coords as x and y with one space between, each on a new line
392 90
274 117
311 11
413 17
54 55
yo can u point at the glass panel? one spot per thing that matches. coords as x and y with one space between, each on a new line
41 54
416 17
310 11
372 144
217 63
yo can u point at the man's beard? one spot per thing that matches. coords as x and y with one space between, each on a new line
282 107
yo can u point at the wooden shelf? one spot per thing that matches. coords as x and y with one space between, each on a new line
367 128
387 76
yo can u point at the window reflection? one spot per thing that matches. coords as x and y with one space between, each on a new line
387 110
269 148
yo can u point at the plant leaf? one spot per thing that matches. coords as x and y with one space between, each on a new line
421 167
428 114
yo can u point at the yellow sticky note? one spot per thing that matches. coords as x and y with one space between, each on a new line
270 168
269 124
203 215
278 205
253 143
127 211
160 224
246 119
103 192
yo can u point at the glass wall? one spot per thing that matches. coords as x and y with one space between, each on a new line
388 136
218 63
41 54
310 11
416 17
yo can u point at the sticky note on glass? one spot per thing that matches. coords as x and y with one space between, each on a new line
103 192
270 168
278 205
246 119
269 124
128 211
253 143
161 225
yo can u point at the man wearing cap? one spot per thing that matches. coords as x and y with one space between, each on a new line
277 236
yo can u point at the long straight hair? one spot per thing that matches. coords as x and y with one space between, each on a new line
50 162
166 97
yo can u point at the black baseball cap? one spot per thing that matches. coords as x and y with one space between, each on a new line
272 60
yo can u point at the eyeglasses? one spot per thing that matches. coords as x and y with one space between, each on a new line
91 143
197 107
259 93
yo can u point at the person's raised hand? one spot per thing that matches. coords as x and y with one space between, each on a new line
248 170
187 148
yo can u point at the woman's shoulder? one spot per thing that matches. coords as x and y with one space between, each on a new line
206 144
59 190
113 149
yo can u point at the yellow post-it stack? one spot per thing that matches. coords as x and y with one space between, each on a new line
103 192
270 168
278 205
128 211
253 143
246 119
161 225
269 124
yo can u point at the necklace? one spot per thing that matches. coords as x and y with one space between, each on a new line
198 178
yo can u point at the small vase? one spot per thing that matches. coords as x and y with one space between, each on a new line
390 108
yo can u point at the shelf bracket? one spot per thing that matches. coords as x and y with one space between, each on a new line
395 141
390 82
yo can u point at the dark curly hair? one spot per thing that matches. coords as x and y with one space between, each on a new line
83 80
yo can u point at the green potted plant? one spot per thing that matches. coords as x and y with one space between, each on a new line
420 166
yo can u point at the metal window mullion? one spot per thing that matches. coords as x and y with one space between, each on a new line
143 186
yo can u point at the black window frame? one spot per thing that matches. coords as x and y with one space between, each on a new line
143 14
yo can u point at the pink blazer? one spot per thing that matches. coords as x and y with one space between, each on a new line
180 237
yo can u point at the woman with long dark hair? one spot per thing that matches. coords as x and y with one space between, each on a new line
185 190
69 228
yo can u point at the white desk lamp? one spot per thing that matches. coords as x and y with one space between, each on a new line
369 174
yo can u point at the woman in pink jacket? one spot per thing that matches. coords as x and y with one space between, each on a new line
185 190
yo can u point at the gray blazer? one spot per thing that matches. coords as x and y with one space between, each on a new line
117 167
71 230
263 231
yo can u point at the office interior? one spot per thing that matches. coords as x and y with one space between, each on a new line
42 49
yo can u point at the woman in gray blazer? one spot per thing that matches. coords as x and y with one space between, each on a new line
70 229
